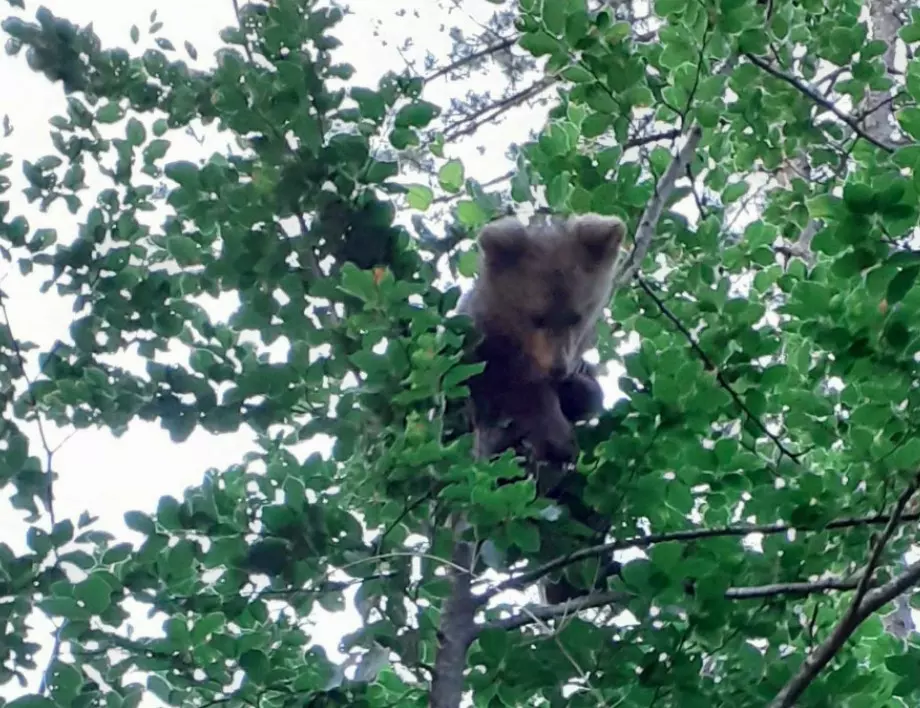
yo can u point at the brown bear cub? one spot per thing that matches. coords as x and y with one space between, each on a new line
539 294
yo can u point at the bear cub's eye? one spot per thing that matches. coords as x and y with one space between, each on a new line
556 320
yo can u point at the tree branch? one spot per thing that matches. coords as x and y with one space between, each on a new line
874 601
469 124
879 546
532 614
648 222
457 629
865 603
827 105
453 66
776 589
539 613
526 578
711 366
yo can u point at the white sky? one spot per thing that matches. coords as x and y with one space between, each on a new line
109 476
106 475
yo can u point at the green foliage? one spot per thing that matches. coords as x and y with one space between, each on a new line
777 394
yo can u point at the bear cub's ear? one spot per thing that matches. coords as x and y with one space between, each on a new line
600 236
503 242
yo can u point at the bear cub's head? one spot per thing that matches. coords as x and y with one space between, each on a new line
543 287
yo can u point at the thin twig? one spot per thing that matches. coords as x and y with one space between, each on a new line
539 613
239 20
500 46
776 589
49 451
819 99
471 123
711 366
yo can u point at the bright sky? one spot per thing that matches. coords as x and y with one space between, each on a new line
109 476
106 475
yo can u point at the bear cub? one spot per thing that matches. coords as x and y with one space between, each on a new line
540 292
535 304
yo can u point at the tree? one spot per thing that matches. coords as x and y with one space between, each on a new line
761 464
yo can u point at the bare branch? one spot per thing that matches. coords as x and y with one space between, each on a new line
471 123
648 223
539 613
807 588
818 99
470 58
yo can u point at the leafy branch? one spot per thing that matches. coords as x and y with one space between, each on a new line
864 604
639 542
530 614
711 366
820 100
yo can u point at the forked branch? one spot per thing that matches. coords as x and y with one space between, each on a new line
865 603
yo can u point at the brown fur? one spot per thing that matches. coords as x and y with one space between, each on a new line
542 288
540 292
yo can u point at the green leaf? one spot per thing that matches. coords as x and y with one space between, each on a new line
554 17
577 74
909 119
184 250
256 665
858 197
910 33
140 522
901 284
359 283
467 264
420 196
110 113
663 8
539 43
734 192
451 176
379 171
370 103
183 172
471 214
136 132
94 593
416 115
